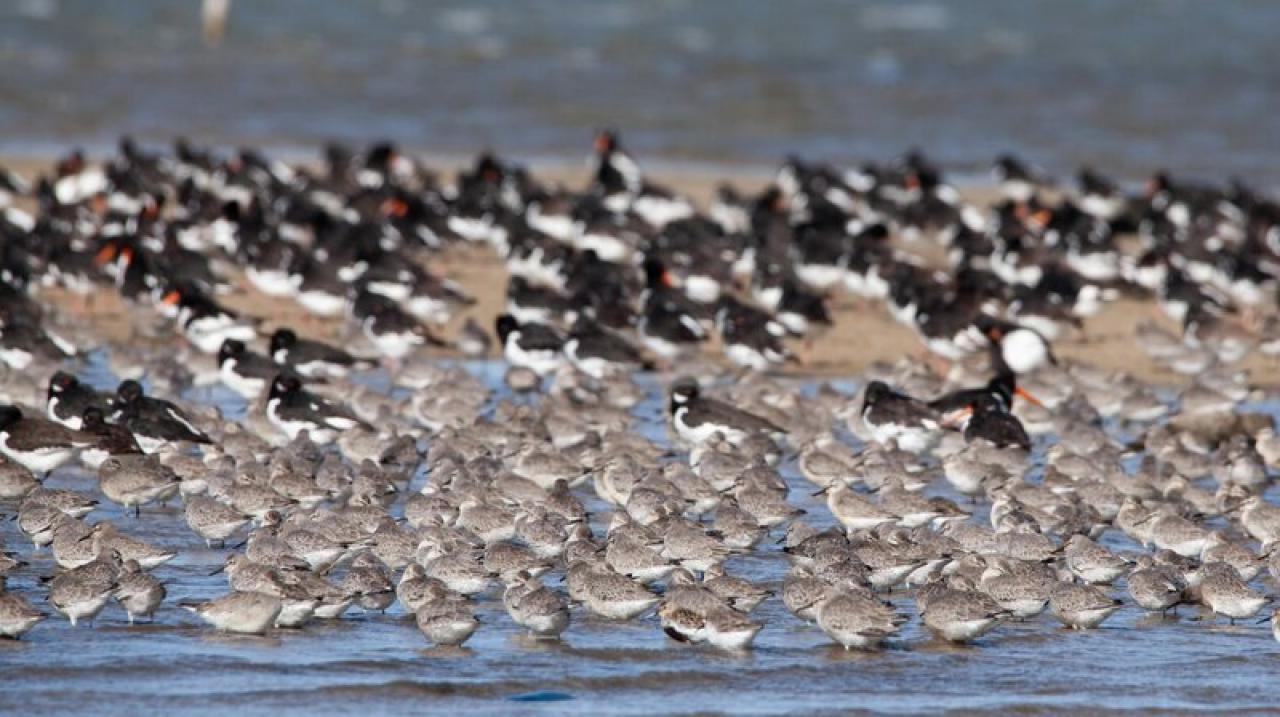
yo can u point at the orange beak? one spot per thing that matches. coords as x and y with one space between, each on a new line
1042 217
1026 396
995 334
913 181
105 255
171 299
668 280
957 417
601 143
395 207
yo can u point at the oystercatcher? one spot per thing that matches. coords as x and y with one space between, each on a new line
154 422
39 444
392 331
697 419
1015 347
1100 197
1017 181
23 343
294 409
669 332
619 182
892 416
669 324
203 322
530 303
531 345
956 405
751 338
991 422
244 371
68 399
598 352
111 439
313 359
321 290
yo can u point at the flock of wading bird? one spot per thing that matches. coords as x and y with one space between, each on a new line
988 490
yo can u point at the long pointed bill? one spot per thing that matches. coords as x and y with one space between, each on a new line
106 254
1026 396
957 418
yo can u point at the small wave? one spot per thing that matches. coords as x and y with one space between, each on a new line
405 690
918 17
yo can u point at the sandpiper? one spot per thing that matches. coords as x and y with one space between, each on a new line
729 629
1155 587
239 612
856 621
536 607
135 480
212 519
1081 607
617 597
82 592
446 623
1093 563
962 615
17 616
137 592
1222 590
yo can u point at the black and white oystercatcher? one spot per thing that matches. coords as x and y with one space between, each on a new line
37 443
698 419
153 421
293 409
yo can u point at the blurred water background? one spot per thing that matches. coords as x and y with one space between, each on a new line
1131 87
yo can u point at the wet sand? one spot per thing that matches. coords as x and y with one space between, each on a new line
863 333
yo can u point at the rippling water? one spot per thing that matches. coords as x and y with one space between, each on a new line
1130 86
379 664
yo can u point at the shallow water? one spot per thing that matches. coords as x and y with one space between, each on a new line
1128 86
379 664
